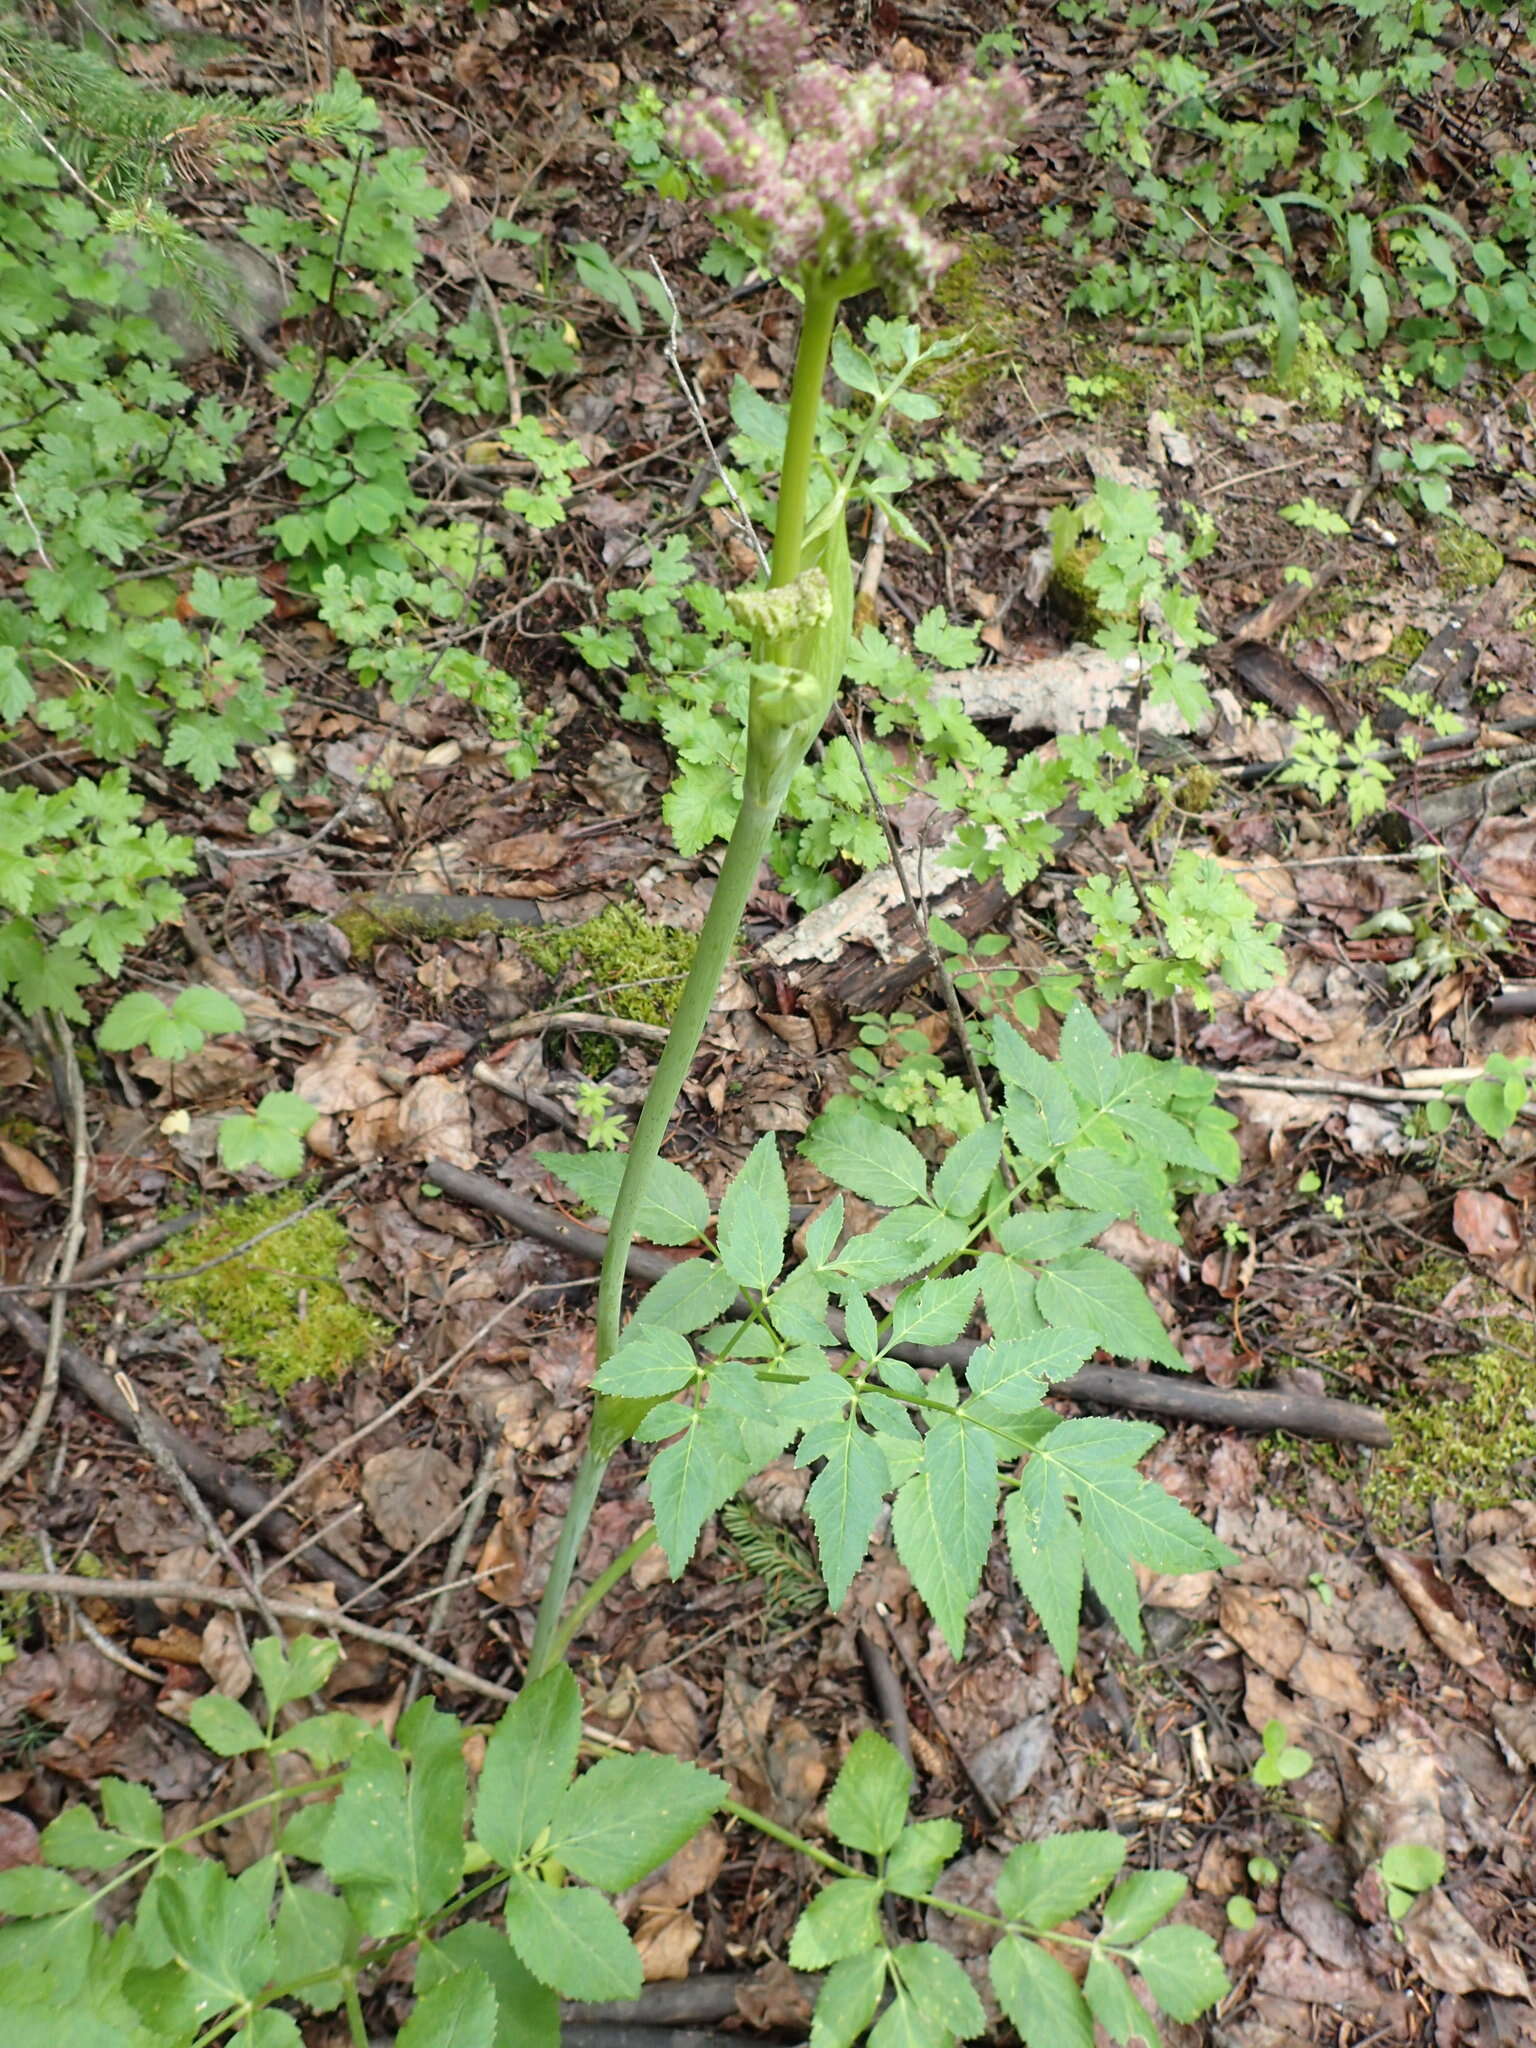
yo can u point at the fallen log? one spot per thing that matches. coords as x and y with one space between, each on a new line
1117 1387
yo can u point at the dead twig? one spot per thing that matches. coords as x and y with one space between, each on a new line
581 1020
220 1482
149 1240
67 1069
195 1593
437 1619
1115 1387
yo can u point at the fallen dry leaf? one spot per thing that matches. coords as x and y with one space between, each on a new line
1434 1608
776 1998
1262 1629
1403 1765
1309 1891
683 1877
1287 1016
18 1840
1453 1956
1487 1225
666 1938
1501 854
503 1558
1333 1680
36 1177
1509 1568
435 1122
411 1494
223 1656
1517 1731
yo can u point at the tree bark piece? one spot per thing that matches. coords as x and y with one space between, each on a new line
1118 1387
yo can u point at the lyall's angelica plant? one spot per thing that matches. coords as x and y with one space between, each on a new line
832 175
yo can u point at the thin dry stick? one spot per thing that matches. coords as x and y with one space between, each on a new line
25 511
93 1635
92 1285
67 1067
1316 1084
458 1513
674 364
193 1593
504 347
865 598
580 1020
197 1507
439 1373
936 966
437 1619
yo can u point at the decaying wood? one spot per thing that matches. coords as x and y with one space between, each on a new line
871 960
453 910
1116 1387
1488 796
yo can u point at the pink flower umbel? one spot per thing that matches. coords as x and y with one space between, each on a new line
832 171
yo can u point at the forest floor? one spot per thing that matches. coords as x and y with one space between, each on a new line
1384 1606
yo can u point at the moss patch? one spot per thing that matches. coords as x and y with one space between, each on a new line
280 1311
1467 561
366 926
1386 671
631 966
974 301
1467 1437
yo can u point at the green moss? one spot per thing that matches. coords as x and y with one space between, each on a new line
367 925
1387 670
19 1552
974 301
1467 560
280 1311
631 966
1466 1435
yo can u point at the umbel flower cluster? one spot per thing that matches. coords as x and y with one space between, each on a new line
833 172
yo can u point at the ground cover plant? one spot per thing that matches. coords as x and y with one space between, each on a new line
1137 1798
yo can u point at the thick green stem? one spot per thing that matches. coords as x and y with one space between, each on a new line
615 1419
821 303
601 1587
773 756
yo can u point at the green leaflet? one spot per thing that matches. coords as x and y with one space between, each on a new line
675 1209
867 1806
942 1522
1040 1996
754 1218
572 1940
844 1499
628 1814
529 1759
1043 1883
